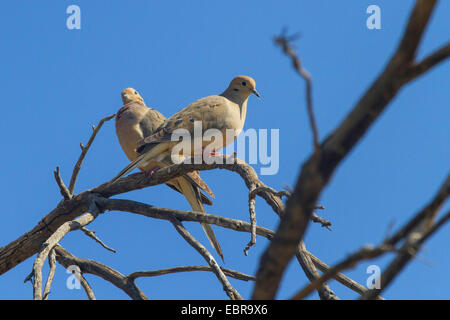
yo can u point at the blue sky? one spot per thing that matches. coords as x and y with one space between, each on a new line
55 83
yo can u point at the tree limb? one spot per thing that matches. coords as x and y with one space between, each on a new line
154 273
84 150
52 241
227 287
68 210
419 222
284 42
51 274
317 171
66 259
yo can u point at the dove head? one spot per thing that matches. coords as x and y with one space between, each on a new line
130 94
242 87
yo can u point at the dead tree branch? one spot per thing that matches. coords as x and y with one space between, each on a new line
127 283
317 171
415 233
122 282
236 225
340 277
84 150
62 187
362 254
92 235
413 240
68 210
53 240
284 42
87 288
153 273
307 264
51 274
419 68
227 287
76 211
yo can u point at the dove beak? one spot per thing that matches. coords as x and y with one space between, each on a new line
126 95
256 93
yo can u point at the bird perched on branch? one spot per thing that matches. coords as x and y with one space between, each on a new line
226 111
134 122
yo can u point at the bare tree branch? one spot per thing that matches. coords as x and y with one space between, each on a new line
84 150
416 231
284 42
67 210
154 273
62 187
317 171
340 277
66 259
408 250
127 283
92 235
323 222
87 288
236 225
167 214
52 241
419 68
362 254
76 211
307 264
252 210
227 287
51 274
426 216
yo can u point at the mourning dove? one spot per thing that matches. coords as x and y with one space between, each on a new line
134 122
223 112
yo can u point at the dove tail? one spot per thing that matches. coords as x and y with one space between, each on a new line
212 239
158 149
192 194
128 168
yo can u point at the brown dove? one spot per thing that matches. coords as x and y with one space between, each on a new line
134 122
223 112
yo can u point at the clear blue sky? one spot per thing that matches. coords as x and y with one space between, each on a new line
55 83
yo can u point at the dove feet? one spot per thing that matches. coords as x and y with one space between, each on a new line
150 172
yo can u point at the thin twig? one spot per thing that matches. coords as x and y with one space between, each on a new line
340 277
227 287
153 273
51 274
284 42
62 187
53 240
252 211
66 259
409 249
146 210
87 288
362 254
92 235
259 190
84 150
427 63
316 219
308 266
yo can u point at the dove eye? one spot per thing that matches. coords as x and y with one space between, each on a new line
135 92
244 83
